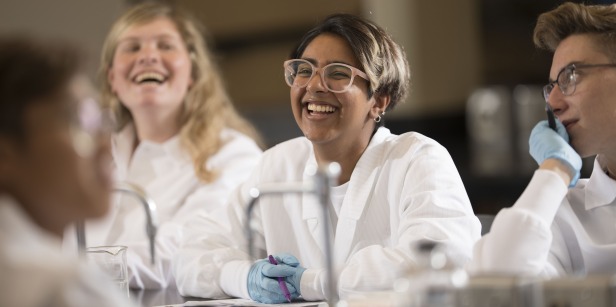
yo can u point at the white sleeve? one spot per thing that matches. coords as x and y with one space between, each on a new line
520 239
234 163
211 261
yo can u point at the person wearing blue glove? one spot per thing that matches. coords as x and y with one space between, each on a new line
393 190
562 224
263 285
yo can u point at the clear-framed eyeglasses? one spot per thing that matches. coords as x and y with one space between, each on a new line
567 79
336 77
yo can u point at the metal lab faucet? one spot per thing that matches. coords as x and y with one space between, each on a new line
149 207
323 178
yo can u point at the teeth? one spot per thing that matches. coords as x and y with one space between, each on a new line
150 76
321 108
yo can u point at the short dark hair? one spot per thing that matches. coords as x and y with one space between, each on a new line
30 69
383 60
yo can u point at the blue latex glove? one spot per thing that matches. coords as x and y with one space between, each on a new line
290 260
263 284
546 143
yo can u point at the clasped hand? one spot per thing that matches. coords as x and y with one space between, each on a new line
263 284
546 143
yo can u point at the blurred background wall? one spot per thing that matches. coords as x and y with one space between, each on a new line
476 75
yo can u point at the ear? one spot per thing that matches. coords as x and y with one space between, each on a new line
381 102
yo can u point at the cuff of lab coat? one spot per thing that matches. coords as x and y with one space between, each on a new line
543 195
313 285
234 278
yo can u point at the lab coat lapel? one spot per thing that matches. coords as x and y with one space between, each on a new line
356 199
311 209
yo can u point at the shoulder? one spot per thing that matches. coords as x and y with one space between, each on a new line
408 143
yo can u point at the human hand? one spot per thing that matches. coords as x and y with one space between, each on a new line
288 259
546 143
263 279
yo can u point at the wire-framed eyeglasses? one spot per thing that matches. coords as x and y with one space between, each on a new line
336 77
567 79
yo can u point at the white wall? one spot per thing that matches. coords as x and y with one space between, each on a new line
85 22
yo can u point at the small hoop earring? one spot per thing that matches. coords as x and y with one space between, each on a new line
378 117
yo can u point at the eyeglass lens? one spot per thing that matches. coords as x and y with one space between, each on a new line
565 81
336 77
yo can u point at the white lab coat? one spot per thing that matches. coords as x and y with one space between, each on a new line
551 231
34 272
166 173
403 189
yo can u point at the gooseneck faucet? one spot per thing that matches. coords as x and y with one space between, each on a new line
149 207
324 177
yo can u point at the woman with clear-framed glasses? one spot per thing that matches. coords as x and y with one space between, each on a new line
563 225
393 190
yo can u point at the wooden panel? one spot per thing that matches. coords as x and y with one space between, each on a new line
246 17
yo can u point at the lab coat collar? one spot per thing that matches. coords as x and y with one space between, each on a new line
172 156
600 190
122 147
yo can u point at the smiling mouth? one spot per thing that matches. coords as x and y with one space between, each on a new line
150 77
314 108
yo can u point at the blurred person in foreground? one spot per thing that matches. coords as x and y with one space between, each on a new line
393 190
54 170
561 225
177 136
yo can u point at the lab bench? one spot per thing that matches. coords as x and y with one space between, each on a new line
480 291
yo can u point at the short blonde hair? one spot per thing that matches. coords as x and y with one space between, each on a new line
207 106
568 19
